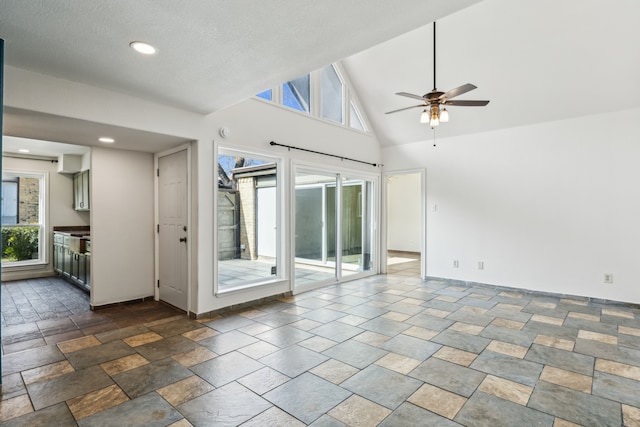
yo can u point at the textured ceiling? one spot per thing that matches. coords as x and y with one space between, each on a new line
212 53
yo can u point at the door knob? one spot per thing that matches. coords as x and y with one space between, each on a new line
183 239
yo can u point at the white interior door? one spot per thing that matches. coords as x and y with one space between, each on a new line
172 237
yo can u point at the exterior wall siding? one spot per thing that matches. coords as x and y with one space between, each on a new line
29 196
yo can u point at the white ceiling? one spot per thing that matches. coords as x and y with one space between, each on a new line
536 60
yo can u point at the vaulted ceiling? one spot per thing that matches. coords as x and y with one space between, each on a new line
536 60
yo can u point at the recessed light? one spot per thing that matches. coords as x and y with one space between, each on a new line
142 47
106 140
23 150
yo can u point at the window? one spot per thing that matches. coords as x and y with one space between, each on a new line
248 216
267 94
322 93
23 216
297 94
331 94
354 118
10 201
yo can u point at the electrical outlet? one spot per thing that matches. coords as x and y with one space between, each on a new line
480 265
456 263
608 278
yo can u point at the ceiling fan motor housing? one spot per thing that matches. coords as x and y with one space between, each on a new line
433 96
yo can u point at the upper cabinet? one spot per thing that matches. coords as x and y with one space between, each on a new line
81 195
74 164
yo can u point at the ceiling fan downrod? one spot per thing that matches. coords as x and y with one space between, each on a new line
434 56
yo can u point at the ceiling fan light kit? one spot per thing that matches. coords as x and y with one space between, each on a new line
444 116
434 103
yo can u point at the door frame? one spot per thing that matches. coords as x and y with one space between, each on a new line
156 219
423 218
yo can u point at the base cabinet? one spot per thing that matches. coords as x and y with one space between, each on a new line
80 269
87 273
71 265
58 263
67 258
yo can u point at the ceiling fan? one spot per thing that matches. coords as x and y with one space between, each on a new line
432 101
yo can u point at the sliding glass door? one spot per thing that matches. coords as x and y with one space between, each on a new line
357 226
315 228
334 230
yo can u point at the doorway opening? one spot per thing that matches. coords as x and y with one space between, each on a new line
405 219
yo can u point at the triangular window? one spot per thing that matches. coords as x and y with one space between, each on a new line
297 94
267 94
354 118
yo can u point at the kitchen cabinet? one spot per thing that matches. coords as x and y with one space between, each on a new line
58 253
80 267
66 266
62 255
87 257
71 259
81 193
86 270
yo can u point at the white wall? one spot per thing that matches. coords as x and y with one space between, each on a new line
550 207
86 162
59 209
404 212
252 125
39 92
122 226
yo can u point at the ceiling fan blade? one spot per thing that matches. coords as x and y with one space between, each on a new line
466 103
410 95
407 108
458 91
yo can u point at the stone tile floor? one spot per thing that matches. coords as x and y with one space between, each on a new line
33 300
386 350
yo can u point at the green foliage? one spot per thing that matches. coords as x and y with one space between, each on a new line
6 233
19 243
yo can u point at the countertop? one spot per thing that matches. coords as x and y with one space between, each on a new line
83 231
